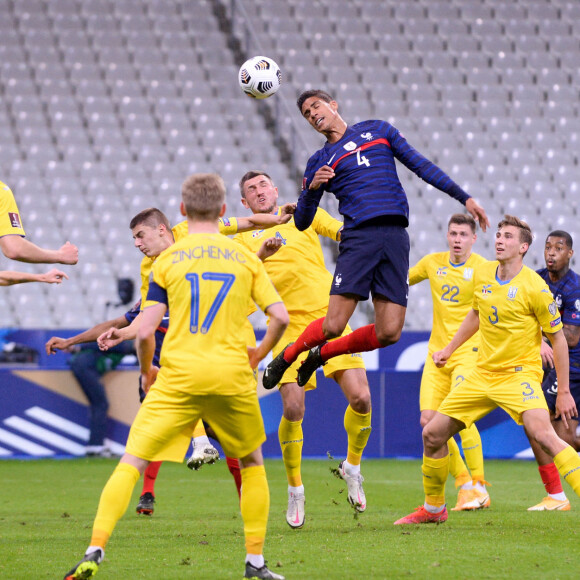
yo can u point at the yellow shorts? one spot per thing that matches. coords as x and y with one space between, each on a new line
164 423
436 383
482 391
298 322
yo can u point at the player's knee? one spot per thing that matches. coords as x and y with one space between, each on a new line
389 335
432 439
332 329
360 401
294 411
546 438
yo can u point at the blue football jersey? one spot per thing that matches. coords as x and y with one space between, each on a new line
130 315
366 183
566 293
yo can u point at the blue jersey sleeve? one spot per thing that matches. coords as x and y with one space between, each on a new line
309 199
422 167
157 294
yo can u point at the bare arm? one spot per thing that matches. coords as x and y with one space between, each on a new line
263 221
565 405
468 328
279 320
90 335
113 335
9 278
151 319
19 248
572 334
478 213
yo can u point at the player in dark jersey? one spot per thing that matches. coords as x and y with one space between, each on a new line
357 164
565 286
147 498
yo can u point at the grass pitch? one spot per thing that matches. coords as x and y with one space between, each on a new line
47 509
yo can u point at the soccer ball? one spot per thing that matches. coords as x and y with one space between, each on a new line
260 77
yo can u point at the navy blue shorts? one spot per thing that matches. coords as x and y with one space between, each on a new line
373 259
550 388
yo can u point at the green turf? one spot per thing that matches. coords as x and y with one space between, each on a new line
47 508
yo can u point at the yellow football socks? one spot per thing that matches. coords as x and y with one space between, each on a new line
472 450
457 467
435 473
255 506
114 501
568 464
291 440
358 430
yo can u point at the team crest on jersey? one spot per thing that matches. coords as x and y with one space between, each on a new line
559 301
279 236
468 273
14 220
350 146
338 280
553 308
486 289
257 233
442 271
512 291
577 305
368 136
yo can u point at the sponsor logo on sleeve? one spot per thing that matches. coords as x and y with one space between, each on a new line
14 220
555 322
226 222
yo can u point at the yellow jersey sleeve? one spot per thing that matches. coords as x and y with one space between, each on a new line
325 225
146 267
10 221
418 272
511 317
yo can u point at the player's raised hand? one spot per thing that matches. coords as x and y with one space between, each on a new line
110 338
565 407
322 176
53 276
287 209
269 247
68 254
478 213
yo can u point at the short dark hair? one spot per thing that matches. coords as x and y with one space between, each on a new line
323 95
250 175
151 217
203 196
526 236
462 219
561 234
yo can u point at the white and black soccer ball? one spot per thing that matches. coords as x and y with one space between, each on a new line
260 77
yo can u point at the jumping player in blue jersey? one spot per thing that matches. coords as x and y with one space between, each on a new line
565 286
357 164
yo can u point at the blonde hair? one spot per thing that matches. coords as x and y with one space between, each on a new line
203 195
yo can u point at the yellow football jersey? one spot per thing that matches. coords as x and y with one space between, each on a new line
452 294
297 268
208 280
10 222
512 315
227 226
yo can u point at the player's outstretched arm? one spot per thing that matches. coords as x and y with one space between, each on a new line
90 335
262 221
145 344
478 213
468 328
279 320
113 335
565 405
18 248
9 277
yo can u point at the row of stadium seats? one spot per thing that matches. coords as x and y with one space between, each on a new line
106 107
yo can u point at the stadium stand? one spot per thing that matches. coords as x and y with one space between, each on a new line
106 106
